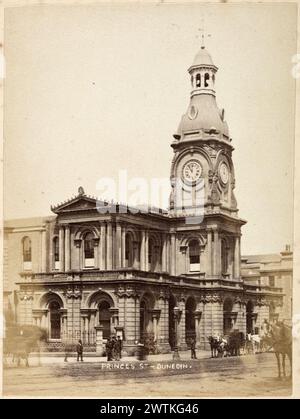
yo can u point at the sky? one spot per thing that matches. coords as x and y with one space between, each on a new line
91 90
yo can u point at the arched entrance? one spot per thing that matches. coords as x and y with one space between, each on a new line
190 331
172 304
104 318
228 316
55 320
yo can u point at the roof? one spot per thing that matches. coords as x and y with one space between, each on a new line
205 115
202 58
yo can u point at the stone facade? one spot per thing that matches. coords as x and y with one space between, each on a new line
95 269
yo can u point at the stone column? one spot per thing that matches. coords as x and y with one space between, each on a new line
44 253
102 247
181 328
155 318
147 264
217 255
237 258
135 254
118 246
96 252
197 327
114 312
164 254
123 246
67 249
143 251
61 248
173 254
209 252
109 259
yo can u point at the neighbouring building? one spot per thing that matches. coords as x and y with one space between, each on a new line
94 268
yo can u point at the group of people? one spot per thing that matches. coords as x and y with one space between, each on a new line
113 348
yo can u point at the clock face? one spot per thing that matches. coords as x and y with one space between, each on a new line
224 173
192 171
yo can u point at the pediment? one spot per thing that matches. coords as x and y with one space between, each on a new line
77 204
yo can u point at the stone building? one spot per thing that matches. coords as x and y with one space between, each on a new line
275 271
96 269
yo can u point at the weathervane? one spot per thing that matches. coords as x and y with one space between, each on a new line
203 34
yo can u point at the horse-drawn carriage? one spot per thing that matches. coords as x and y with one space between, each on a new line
20 341
228 345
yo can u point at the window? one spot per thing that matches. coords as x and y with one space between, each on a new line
27 262
271 281
198 80
56 252
26 249
194 256
89 250
128 251
206 80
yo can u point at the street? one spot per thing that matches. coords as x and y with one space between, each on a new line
248 375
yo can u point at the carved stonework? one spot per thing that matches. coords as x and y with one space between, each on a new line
73 292
127 291
263 302
25 296
211 298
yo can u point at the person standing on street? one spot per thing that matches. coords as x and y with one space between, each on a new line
193 349
79 349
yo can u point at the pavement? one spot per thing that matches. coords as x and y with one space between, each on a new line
58 357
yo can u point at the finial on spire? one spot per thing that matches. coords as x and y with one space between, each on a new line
203 35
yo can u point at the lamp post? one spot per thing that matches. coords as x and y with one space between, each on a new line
176 316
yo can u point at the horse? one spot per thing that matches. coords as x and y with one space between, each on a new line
20 340
214 345
279 338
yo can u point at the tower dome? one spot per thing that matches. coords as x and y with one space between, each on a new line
203 58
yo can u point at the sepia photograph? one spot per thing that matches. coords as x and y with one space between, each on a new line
148 201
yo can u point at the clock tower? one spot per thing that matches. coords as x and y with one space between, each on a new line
202 175
202 172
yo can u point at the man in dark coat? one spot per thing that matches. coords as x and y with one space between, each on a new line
109 348
193 349
79 349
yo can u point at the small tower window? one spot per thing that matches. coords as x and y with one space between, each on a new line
192 81
206 79
198 80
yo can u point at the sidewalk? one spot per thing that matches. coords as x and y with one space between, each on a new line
58 357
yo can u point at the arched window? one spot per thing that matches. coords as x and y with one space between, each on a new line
194 256
55 320
56 252
88 250
27 256
206 79
128 251
198 80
